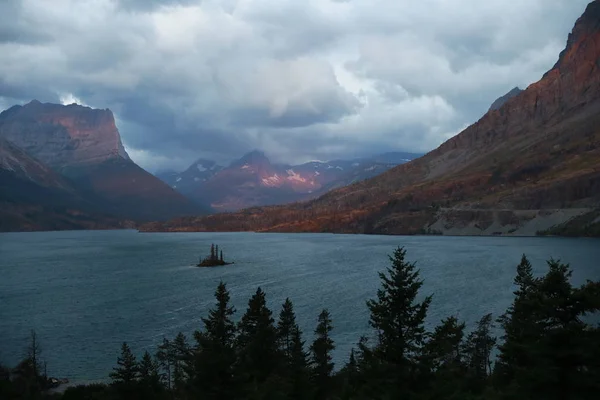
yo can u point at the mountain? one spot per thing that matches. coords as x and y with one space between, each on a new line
253 180
34 197
84 145
514 92
531 166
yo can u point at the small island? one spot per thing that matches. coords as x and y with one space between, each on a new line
215 259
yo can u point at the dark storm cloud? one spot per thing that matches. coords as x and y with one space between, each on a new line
300 80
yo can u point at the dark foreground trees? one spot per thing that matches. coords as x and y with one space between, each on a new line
548 349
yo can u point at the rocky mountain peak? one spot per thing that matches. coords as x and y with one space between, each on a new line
255 157
63 136
514 92
586 27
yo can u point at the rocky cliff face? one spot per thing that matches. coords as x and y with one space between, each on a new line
540 150
84 145
63 136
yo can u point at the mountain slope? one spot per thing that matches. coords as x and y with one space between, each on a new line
530 165
34 197
84 145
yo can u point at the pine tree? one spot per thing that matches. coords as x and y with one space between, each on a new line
443 350
126 374
351 376
478 348
258 357
291 346
285 328
321 349
298 367
398 320
520 327
216 256
565 358
222 256
183 363
150 382
166 359
215 353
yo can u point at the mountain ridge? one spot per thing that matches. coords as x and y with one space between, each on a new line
252 180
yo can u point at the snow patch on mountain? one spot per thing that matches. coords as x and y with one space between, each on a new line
271 180
293 176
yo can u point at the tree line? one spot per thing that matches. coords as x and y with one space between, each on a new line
548 350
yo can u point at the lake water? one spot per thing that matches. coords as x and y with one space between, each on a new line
86 292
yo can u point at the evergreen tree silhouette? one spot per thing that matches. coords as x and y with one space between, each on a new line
126 373
321 349
212 252
222 256
216 256
166 359
399 322
444 358
478 348
215 353
258 356
150 381
291 346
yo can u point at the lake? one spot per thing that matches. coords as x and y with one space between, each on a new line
85 292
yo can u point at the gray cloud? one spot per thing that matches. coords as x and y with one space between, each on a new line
301 80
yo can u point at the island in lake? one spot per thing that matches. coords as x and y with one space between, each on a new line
215 258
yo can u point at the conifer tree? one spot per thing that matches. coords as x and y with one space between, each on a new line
166 360
321 349
216 256
444 359
126 373
478 348
285 328
183 363
520 327
215 353
351 376
150 381
291 346
398 320
221 255
298 367
563 359
258 356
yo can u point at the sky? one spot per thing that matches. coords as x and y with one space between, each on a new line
298 79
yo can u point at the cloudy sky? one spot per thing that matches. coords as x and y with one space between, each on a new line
300 79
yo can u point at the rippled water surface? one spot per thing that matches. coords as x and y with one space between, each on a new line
86 292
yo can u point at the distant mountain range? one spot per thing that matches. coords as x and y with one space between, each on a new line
530 165
64 167
253 180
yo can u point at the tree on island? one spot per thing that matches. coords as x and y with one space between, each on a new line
215 258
